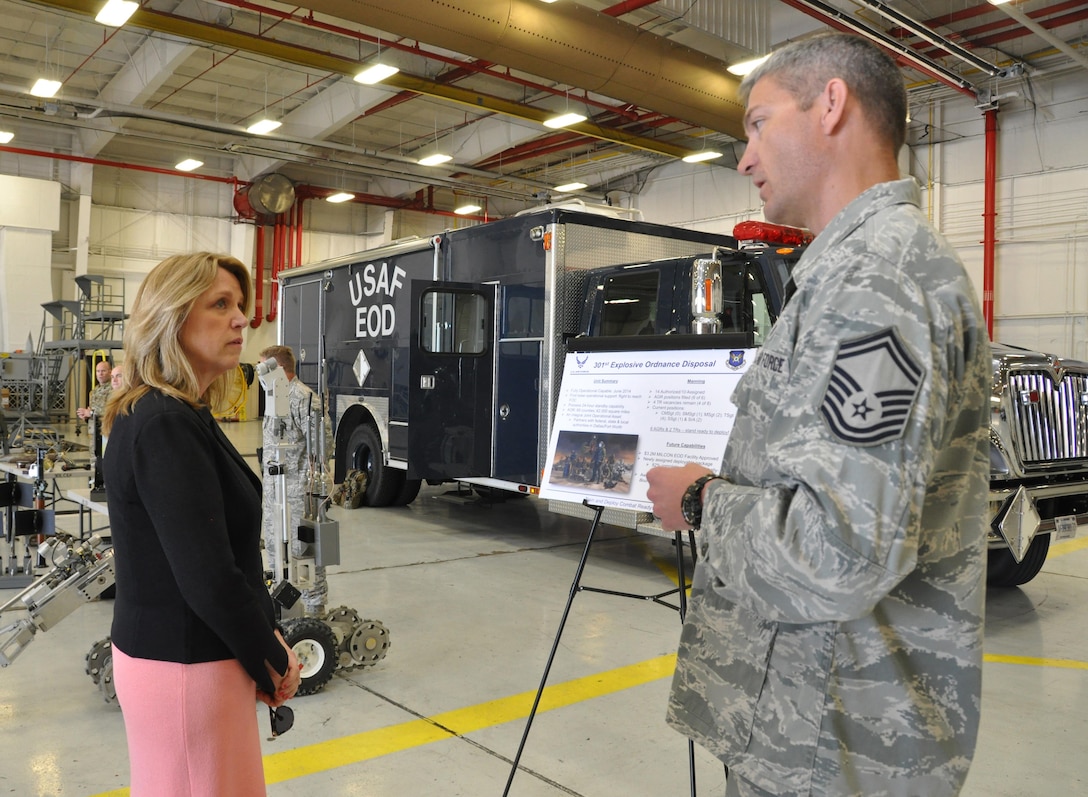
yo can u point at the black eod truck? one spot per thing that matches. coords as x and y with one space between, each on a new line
444 357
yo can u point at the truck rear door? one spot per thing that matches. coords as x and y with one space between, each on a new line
451 368
517 390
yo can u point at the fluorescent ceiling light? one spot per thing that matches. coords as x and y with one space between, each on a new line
435 160
189 164
116 12
45 88
701 155
566 188
6 136
464 210
997 2
564 120
744 67
263 127
376 73
547 1
340 196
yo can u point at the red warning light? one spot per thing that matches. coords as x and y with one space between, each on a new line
768 233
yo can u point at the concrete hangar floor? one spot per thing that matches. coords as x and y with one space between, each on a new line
472 595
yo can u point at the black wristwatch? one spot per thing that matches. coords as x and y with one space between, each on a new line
691 505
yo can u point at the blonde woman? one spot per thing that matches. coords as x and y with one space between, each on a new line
194 638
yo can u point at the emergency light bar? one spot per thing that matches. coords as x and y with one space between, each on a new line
768 233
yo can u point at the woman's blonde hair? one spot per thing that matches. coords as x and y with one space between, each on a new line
154 359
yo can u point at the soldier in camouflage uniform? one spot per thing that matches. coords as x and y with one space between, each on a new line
833 642
285 439
99 395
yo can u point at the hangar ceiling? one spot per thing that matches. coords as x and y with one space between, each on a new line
185 78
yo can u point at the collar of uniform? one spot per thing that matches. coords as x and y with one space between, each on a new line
861 209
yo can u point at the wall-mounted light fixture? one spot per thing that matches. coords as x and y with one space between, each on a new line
188 165
340 196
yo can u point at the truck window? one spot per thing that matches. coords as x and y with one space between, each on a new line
453 322
630 304
761 316
524 316
734 316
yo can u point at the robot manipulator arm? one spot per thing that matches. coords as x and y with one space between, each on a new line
78 575
274 381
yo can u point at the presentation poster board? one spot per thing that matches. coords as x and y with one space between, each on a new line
622 413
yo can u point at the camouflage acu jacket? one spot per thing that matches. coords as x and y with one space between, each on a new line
99 396
833 643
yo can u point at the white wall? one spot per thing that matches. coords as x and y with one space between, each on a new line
29 214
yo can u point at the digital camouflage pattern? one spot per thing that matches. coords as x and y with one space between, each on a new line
833 643
99 396
285 441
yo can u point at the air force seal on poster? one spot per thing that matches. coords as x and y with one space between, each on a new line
874 383
736 358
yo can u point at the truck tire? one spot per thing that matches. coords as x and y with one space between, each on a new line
407 494
314 644
1004 571
365 454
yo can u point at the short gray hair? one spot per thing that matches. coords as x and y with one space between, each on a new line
805 66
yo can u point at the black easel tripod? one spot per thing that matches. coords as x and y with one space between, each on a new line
576 586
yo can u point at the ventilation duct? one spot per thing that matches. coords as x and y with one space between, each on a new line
567 43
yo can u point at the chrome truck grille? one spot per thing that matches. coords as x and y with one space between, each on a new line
1050 419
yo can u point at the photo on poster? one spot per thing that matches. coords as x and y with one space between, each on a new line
601 461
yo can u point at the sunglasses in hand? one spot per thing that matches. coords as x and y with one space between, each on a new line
281 719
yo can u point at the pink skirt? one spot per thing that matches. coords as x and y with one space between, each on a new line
192 728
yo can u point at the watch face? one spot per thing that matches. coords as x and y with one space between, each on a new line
691 505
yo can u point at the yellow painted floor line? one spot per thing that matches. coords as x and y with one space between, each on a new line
382 741
1032 661
1067 546
364 746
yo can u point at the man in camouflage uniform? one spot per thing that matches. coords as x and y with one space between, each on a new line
284 440
833 642
99 395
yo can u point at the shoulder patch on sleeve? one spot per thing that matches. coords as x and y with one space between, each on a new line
874 383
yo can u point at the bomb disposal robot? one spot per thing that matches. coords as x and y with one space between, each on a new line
342 640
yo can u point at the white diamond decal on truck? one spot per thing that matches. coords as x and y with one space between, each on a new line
361 368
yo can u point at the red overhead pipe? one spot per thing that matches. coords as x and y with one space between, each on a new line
989 220
258 276
833 18
298 232
627 6
289 239
277 265
118 165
